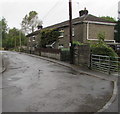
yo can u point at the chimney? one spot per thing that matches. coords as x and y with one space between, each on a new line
39 26
83 12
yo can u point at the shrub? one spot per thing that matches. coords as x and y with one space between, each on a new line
101 48
77 43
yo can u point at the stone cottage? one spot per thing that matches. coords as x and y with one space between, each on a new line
86 28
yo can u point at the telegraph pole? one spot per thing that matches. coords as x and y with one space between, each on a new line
70 33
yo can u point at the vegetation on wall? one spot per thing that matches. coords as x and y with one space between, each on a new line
101 48
48 36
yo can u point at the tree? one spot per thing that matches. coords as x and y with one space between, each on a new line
30 22
108 18
3 26
13 39
3 31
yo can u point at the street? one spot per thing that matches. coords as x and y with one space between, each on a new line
34 85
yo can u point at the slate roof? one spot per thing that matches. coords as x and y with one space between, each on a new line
88 17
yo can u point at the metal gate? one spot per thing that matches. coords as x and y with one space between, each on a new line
105 64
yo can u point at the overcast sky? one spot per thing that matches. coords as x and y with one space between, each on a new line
54 11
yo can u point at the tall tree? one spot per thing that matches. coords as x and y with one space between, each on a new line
3 31
30 22
13 39
15 36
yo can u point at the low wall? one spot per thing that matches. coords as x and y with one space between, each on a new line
50 53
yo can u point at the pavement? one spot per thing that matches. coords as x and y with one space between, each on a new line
97 91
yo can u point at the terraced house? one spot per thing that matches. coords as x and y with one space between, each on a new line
86 28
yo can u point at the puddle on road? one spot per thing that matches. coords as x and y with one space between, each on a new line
14 79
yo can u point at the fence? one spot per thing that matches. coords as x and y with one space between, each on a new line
105 64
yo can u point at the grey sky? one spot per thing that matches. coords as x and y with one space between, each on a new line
54 11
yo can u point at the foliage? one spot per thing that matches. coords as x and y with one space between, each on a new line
77 43
3 30
11 37
3 26
101 48
108 18
30 22
65 49
117 33
101 37
48 36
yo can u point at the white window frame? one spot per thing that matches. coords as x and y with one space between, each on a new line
73 31
29 39
61 33
33 38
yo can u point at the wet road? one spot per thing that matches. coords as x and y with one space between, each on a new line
35 85
0 82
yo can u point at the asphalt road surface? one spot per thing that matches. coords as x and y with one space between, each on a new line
35 85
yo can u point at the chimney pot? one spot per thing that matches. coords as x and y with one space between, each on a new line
83 12
39 26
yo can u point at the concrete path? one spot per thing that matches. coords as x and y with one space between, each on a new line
35 85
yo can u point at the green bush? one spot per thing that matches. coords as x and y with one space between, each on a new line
77 43
65 49
101 48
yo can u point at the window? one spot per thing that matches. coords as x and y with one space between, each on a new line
60 46
73 32
29 40
33 38
61 33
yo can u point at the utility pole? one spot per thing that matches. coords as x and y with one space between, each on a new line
70 33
